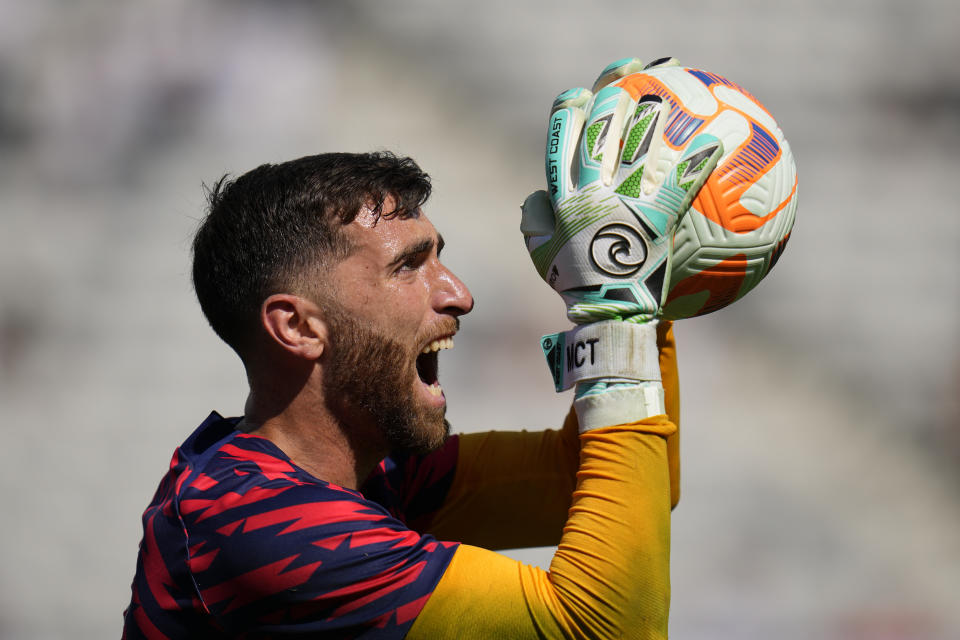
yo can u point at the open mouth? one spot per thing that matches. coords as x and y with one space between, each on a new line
427 367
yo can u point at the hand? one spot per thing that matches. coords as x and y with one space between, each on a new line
603 235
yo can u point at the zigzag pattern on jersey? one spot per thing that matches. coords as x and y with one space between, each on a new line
413 488
239 540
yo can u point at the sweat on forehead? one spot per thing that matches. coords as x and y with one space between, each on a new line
388 208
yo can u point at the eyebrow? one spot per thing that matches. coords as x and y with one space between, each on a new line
423 246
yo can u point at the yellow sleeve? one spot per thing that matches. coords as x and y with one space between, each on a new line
512 489
610 575
671 392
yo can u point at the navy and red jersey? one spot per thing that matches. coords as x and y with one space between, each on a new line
240 542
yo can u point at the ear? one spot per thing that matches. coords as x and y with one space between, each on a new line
295 324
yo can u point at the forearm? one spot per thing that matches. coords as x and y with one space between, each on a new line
610 575
671 395
617 541
511 489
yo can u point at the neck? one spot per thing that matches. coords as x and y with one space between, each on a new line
312 436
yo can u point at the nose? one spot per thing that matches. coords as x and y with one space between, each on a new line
452 296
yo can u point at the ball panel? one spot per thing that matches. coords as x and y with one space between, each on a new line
738 225
671 83
722 282
741 101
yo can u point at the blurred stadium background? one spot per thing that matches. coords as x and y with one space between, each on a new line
821 415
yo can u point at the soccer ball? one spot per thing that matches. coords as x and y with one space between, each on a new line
739 223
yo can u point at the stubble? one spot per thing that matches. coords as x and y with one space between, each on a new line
370 377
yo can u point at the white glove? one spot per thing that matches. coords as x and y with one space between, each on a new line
602 236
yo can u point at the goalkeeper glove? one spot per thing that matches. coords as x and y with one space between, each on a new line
602 236
618 187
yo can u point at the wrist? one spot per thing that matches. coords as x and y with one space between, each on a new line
619 404
612 350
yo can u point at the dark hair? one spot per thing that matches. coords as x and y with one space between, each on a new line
268 229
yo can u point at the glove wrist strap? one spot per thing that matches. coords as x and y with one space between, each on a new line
620 405
609 349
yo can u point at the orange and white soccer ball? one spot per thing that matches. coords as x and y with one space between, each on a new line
739 223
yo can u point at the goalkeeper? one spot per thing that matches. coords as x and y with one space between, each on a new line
338 505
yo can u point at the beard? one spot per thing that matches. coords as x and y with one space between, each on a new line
369 377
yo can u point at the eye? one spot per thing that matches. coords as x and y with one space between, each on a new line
413 261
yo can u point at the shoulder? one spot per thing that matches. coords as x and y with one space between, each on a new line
265 538
240 538
413 486
244 480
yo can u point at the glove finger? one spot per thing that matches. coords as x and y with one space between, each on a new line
639 131
616 70
536 215
697 162
662 62
577 97
676 177
566 123
600 142
643 137
537 223
659 156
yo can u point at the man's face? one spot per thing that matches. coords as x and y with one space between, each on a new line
397 306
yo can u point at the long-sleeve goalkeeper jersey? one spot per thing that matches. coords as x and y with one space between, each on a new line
240 542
